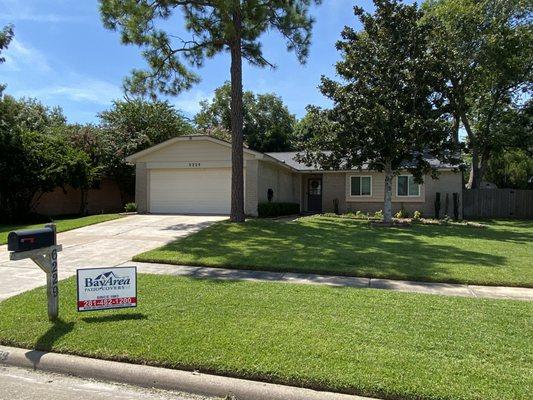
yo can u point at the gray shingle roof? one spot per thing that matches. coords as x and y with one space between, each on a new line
288 158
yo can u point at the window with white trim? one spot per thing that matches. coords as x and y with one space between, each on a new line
407 186
361 186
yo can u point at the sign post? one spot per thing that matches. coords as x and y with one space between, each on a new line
40 246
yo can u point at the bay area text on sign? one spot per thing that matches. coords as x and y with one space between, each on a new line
106 288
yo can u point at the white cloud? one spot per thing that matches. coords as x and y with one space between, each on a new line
189 102
59 84
19 55
82 89
53 18
17 10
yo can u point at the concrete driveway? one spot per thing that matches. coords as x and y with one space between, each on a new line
103 245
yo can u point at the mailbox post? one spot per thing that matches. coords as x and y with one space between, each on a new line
41 247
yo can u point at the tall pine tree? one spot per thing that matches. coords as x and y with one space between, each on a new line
214 26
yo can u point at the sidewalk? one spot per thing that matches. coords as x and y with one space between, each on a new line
446 289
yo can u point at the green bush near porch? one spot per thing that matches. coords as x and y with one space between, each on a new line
277 209
500 254
376 343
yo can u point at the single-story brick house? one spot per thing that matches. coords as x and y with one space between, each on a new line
192 174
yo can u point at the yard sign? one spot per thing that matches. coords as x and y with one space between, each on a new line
107 288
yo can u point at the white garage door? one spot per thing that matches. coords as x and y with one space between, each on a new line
190 191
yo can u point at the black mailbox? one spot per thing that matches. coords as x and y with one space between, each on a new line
31 239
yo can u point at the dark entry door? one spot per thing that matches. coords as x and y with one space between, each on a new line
314 195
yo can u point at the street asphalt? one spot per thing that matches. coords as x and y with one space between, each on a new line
26 384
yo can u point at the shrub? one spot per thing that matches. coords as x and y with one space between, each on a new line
360 215
277 209
130 207
401 214
417 215
378 214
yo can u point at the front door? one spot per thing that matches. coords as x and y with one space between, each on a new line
314 195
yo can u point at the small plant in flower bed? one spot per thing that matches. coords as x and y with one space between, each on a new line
417 215
130 207
449 221
357 215
361 215
351 215
402 214
378 215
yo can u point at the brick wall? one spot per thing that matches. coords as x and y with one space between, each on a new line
104 199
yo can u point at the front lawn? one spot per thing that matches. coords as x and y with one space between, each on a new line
501 254
363 341
62 224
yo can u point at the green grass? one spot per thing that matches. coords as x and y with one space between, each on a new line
62 224
501 254
363 341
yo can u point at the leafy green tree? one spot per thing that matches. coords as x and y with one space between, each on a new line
511 169
86 159
6 36
216 26
33 160
268 124
132 126
274 125
314 123
486 54
386 110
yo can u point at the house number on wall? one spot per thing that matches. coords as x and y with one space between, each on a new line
194 164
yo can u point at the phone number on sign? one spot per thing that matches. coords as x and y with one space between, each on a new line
121 301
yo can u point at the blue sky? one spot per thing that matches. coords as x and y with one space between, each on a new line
63 56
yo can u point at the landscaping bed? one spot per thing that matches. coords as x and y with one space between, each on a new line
362 341
498 254
62 224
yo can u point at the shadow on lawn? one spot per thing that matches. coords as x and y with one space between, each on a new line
114 318
344 247
59 329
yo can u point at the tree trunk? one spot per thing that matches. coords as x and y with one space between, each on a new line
387 207
474 180
455 131
237 165
484 163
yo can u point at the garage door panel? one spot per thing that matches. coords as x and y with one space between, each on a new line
190 191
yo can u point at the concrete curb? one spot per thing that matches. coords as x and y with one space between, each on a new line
161 378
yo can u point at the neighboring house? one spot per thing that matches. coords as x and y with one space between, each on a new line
192 174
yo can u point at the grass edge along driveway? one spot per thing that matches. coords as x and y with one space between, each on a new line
499 255
62 224
361 341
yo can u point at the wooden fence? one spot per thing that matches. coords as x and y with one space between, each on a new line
497 203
